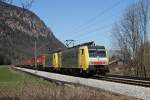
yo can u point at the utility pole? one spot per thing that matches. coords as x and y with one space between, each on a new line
35 55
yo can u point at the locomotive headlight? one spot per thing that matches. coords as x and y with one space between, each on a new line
105 62
91 63
37 61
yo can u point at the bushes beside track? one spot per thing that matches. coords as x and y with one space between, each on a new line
4 60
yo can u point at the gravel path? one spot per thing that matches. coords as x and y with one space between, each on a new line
125 89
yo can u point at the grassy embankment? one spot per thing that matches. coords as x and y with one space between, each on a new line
20 85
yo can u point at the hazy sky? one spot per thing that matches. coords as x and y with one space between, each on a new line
81 20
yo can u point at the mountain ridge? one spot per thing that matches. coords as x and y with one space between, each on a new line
19 29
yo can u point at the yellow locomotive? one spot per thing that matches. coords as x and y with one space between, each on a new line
84 58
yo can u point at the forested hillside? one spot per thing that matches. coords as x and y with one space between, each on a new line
19 29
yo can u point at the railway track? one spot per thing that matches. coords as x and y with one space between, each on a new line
145 82
139 81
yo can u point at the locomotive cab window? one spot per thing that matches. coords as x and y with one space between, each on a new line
82 51
97 53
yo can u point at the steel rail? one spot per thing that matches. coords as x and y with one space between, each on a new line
122 79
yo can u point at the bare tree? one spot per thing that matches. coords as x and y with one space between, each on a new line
131 35
7 1
26 4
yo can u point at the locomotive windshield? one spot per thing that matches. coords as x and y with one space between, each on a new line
97 53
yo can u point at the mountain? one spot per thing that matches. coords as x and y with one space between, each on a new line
19 29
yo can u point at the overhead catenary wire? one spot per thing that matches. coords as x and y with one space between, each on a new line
88 23
92 35
94 30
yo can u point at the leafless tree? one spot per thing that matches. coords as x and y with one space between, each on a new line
26 4
131 35
7 1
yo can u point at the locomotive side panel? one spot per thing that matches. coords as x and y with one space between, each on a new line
59 59
83 57
69 58
55 60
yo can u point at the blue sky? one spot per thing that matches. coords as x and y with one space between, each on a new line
81 20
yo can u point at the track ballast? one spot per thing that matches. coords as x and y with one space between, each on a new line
138 81
145 82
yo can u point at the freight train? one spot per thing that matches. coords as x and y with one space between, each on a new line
86 58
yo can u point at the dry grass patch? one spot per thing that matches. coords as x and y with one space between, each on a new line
27 87
52 91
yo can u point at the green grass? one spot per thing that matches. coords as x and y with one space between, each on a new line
8 75
9 78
